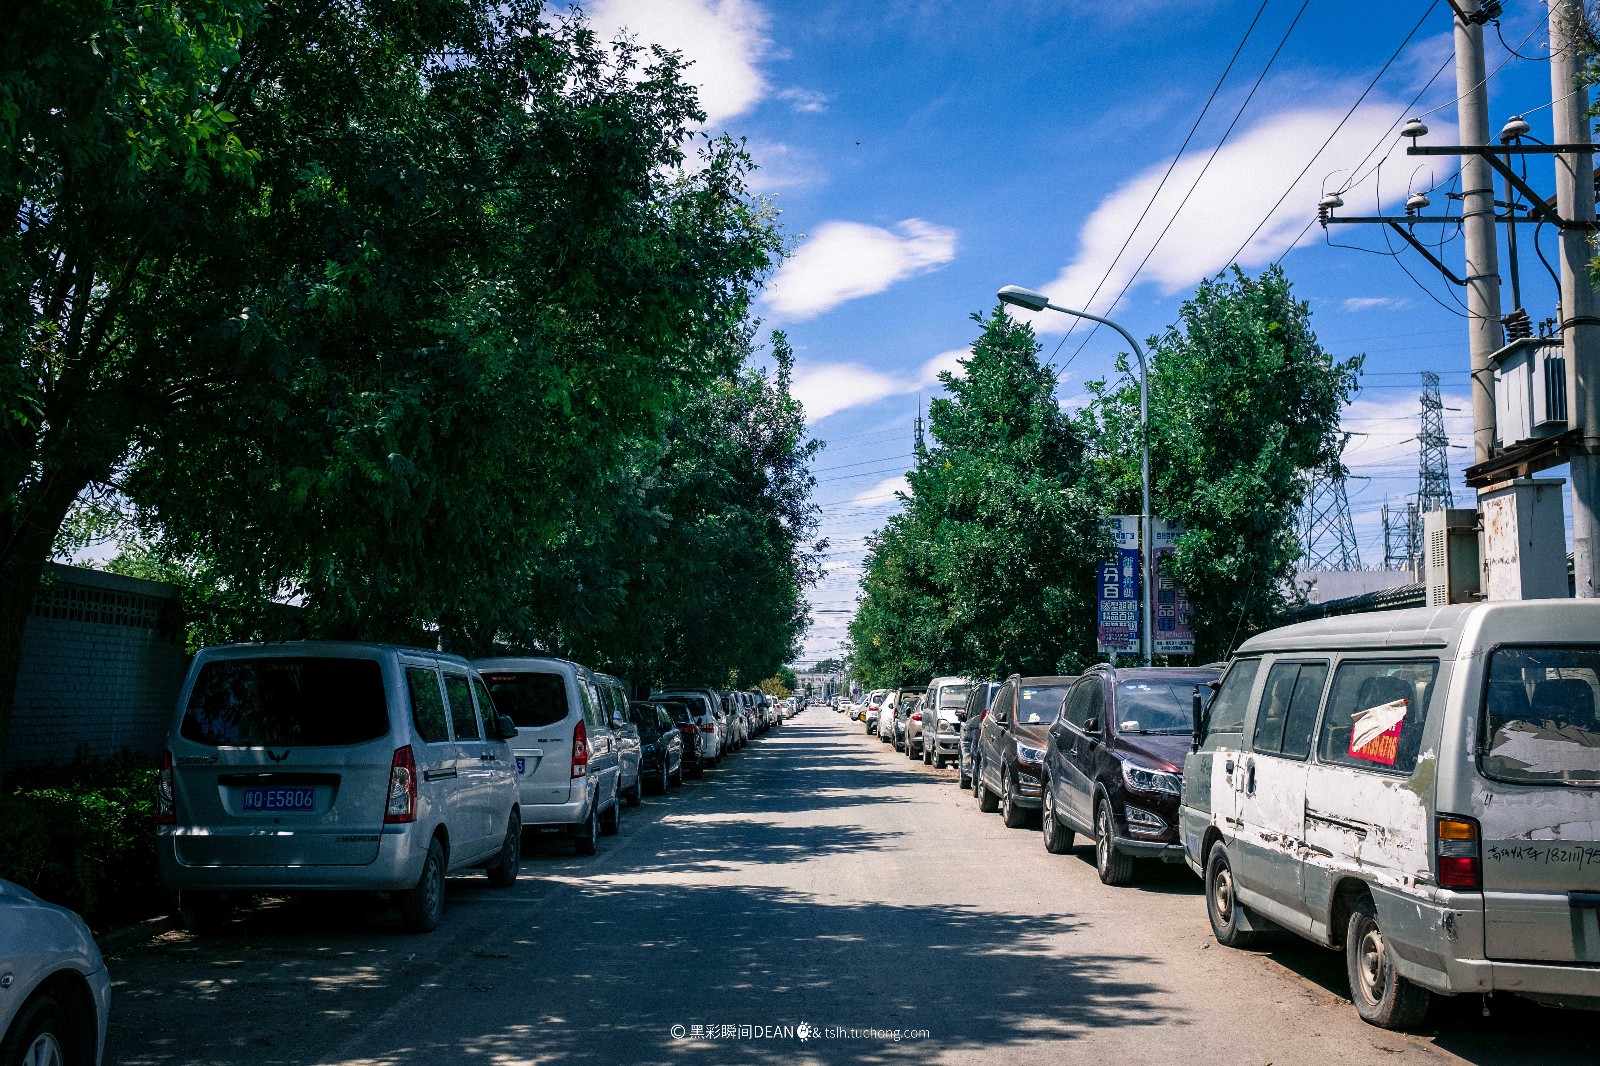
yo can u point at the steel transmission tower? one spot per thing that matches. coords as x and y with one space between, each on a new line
1433 446
918 444
1400 532
1327 535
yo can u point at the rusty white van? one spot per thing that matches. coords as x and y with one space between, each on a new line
1420 788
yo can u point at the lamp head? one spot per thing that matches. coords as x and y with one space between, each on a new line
1017 296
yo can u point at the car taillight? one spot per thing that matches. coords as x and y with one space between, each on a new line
402 788
166 809
917 717
1458 853
708 728
580 751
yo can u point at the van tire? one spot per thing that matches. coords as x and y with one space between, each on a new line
422 905
635 795
586 840
611 820
204 913
1113 866
1381 997
1228 916
503 871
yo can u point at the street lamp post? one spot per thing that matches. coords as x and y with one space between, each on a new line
1034 301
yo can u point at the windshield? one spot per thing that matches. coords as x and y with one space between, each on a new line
1039 704
1540 716
954 696
272 703
532 700
1147 705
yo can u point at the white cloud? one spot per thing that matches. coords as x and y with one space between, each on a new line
725 40
828 388
883 490
781 168
846 260
1374 303
833 387
806 101
1241 185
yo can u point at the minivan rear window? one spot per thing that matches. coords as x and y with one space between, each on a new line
531 699
286 702
1540 715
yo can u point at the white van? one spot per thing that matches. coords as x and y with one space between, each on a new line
1420 788
943 710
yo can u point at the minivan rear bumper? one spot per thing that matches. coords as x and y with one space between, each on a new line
402 850
572 813
1570 981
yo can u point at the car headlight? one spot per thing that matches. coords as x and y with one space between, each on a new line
1141 780
1029 754
947 727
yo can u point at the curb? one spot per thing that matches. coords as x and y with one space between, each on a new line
116 940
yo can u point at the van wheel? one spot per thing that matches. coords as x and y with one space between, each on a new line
503 871
1227 914
44 1035
1057 837
1014 817
422 906
205 913
635 795
1381 996
1114 867
586 841
611 821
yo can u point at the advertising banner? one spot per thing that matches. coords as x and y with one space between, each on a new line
1174 633
1119 589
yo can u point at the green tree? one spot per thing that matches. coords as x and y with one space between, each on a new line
990 567
361 302
1244 402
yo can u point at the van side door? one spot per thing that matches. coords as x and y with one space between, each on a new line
473 782
1209 774
1271 792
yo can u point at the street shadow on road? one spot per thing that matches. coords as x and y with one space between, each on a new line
741 955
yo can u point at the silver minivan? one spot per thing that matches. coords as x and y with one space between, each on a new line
1420 788
939 740
332 765
567 764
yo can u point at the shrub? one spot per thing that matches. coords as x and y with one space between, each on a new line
83 836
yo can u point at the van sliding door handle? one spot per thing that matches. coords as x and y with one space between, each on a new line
1250 778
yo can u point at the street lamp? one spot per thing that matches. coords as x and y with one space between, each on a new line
1017 296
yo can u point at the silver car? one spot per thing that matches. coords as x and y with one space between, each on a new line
331 765
55 995
569 774
629 748
710 734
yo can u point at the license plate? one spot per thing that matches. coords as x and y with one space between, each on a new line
299 799
522 766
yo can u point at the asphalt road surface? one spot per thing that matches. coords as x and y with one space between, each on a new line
819 884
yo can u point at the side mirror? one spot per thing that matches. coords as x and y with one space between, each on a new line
505 727
1092 725
1198 710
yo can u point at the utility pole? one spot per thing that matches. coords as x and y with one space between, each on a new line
919 445
1580 329
1478 221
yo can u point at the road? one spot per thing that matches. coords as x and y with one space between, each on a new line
817 878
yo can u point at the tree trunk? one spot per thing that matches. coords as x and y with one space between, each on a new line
24 550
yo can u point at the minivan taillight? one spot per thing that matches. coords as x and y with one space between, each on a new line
402 806
166 809
709 727
580 751
1459 853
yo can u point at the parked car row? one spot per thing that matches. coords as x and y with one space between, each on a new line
1419 789
346 766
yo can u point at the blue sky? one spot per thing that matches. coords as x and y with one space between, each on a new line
925 152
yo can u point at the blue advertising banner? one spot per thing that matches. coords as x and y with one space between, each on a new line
1118 619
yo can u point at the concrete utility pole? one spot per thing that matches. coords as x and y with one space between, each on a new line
1580 329
1478 227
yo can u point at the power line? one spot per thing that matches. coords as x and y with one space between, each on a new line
1196 183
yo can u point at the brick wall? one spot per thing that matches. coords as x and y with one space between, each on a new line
102 662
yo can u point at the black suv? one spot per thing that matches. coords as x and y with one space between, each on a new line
1113 764
1011 745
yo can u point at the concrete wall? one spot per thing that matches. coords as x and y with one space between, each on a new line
102 662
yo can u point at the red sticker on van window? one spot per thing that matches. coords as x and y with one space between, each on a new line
1375 732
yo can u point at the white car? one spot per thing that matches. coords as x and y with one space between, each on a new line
55 995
